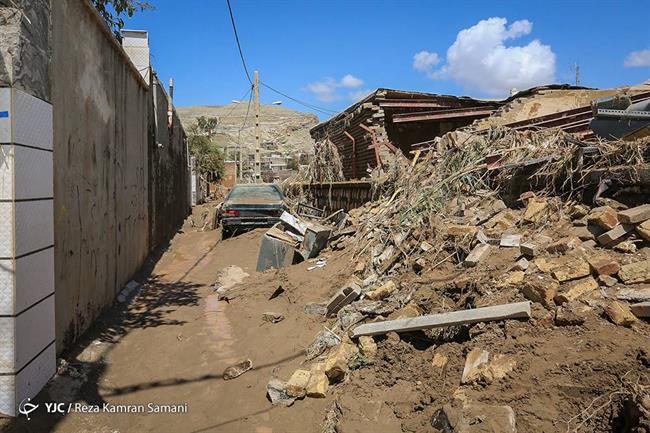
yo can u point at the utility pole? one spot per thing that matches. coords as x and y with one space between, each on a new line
258 161
577 70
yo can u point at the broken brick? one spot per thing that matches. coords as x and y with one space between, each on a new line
503 220
368 347
604 217
634 273
564 245
336 364
297 384
439 361
642 309
318 385
575 289
635 215
529 249
570 268
620 313
381 292
644 230
603 265
456 230
479 252
509 240
614 234
536 210
541 289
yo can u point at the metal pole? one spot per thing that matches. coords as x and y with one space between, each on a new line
258 161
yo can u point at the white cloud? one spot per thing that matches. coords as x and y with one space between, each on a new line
350 81
425 61
327 89
324 89
638 58
480 61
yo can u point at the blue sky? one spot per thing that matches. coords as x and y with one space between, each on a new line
330 52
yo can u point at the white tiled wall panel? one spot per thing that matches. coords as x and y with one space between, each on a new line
32 121
34 377
34 330
34 278
7 347
8 395
34 226
6 172
6 230
5 122
6 287
33 173
13 389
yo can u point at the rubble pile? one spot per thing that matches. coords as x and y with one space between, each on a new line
483 231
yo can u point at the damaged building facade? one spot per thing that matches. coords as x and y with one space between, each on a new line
402 122
93 175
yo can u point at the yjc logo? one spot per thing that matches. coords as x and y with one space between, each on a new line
25 407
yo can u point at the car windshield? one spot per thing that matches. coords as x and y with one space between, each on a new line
258 192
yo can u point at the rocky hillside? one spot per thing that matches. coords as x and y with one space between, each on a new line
287 129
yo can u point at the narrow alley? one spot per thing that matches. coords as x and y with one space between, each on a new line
171 343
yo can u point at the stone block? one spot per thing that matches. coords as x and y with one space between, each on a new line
603 264
575 289
563 245
382 292
297 384
634 273
479 252
620 313
603 216
336 364
570 268
635 215
536 210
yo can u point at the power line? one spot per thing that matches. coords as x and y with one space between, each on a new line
235 105
306 104
241 53
248 77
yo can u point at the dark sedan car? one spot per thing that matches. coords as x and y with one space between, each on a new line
249 206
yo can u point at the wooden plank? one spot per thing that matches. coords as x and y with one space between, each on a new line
518 310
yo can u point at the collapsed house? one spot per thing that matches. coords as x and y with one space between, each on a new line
389 121
392 121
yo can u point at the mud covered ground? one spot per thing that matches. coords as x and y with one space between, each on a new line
172 342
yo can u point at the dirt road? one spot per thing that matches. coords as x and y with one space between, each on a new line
171 344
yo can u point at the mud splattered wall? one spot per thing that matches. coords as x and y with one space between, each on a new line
169 201
101 111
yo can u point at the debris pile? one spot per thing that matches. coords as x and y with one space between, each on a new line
295 239
502 227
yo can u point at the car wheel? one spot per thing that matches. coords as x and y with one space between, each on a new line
225 232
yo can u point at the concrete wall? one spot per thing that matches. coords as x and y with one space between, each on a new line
168 168
101 220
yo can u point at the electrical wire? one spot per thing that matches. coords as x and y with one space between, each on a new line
306 104
250 89
241 53
243 61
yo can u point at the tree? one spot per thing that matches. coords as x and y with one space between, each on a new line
210 159
292 163
113 10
